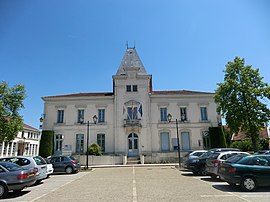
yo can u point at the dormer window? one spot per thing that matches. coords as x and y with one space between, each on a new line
131 88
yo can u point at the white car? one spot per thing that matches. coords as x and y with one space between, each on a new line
217 158
49 169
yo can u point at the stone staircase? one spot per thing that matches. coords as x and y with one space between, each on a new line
133 160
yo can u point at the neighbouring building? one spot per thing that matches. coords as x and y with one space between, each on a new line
133 118
26 143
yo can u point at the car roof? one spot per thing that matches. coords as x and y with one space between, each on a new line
224 149
19 157
229 152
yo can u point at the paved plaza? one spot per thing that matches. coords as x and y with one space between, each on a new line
136 184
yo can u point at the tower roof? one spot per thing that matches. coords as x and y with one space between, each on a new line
131 60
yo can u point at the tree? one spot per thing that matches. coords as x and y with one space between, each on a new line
242 99
11 101
46 143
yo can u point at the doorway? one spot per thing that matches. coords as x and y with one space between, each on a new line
133 144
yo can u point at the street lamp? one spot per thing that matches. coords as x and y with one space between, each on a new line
169 116
87 138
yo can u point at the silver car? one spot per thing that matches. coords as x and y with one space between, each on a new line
14 177
35 162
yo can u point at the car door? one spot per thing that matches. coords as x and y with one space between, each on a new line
56 161
261 170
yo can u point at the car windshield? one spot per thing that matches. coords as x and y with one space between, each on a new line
11 166
214 156
236 158
39 160
255 160
207 154
72 158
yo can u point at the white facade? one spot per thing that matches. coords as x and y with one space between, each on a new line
26 143
132 119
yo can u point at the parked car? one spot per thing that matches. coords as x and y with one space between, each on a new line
234 159
190 157
198 165
67 164
14 177
49 169
36 162
263 152
249 172
217 158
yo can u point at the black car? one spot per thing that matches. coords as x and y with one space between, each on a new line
67 164
248 172
191 157
198 165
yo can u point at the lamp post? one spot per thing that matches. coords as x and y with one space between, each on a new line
169 116
87 136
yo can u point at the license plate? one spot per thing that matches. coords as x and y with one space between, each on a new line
31 174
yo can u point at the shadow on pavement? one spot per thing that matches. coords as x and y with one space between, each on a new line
209 179
236 188
188 174
12 194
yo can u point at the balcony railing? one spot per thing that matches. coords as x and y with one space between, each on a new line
132 123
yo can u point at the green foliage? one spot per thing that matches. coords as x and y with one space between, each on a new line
46 143
94 149
217 137
228 135
243 145
11 102
264 143
242 99
247 145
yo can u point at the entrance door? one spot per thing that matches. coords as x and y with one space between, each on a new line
20 149
133 145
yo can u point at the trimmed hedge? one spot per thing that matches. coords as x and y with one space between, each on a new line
94 149
46 143
217 137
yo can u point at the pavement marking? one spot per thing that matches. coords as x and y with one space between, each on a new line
210 183
35 199
134 185
214 196
256 196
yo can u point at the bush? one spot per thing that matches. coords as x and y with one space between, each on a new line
94 149
264 143
245 145
46 143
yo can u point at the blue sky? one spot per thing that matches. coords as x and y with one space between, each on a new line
67 46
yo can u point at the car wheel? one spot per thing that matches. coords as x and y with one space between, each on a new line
3 190
69 170
248 184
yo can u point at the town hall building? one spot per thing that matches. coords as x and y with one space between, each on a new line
132 119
